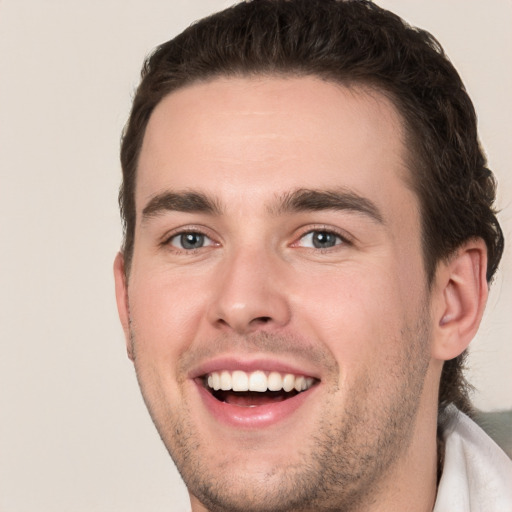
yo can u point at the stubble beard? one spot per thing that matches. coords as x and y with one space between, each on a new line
345 461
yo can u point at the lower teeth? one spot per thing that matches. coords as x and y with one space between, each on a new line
252 399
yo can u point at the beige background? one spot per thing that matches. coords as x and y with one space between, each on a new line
74 434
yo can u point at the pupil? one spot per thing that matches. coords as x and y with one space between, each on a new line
192 240
323 239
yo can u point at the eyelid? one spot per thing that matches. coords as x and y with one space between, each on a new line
208 242
341 234
182 230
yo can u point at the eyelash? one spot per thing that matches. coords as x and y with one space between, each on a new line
343 239
167 242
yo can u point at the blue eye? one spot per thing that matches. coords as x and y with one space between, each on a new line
320 239
190 241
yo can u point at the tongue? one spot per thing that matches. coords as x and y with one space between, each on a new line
254 399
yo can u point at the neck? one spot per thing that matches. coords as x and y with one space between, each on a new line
411 484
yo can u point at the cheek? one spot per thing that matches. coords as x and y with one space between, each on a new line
358 314
165 313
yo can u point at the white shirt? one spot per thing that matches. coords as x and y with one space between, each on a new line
477 474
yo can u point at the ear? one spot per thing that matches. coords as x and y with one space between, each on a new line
459 296
122 300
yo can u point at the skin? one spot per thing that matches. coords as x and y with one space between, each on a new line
358 316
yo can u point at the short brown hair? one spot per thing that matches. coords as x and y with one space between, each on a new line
348 42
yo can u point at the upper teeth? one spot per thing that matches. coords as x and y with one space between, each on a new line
258 381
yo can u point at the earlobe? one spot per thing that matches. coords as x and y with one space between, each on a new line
460 296
122 300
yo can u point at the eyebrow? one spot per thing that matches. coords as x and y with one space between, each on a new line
300 200
303 200
188 202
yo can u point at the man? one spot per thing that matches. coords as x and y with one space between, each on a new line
309 238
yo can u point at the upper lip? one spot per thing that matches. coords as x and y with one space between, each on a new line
231 363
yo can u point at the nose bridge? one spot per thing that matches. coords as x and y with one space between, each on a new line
249 291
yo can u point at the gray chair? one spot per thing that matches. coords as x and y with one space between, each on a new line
498 425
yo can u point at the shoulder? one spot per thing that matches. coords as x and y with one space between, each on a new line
477 474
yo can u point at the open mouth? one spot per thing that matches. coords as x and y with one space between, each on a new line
256 388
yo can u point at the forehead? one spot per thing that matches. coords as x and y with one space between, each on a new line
271 134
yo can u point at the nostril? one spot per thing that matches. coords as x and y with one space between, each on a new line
257 320
262 320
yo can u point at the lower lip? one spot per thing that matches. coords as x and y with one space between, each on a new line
253 417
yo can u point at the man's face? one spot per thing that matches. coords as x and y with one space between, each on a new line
276 246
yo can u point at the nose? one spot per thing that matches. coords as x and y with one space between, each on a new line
250 294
